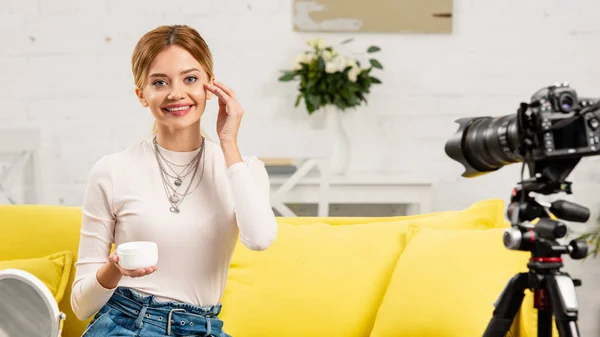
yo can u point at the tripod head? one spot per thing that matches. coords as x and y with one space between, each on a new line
540 238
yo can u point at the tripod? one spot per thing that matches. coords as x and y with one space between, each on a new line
554 290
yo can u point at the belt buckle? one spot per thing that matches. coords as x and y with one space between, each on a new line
169 320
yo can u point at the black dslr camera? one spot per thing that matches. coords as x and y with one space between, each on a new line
555 125
549 135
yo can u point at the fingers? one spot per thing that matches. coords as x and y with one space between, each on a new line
114 258
139 272
225 88
219 93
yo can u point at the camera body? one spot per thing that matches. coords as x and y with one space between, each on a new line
555 125
558 125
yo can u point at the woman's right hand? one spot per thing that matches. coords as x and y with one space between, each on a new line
114 258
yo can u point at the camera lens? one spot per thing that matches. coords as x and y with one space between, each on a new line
485 144
566 102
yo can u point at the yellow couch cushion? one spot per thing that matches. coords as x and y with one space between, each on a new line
481 213
53 270
315 280
446 282
326 279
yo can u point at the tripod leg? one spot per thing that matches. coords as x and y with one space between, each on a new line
564 304
544 322
543 305
507 306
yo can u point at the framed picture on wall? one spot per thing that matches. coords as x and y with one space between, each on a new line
373 16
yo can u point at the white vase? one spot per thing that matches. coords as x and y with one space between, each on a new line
340 158
317 119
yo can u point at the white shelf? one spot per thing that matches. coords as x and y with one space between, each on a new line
357 178
409 189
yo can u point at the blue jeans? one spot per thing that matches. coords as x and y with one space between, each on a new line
129 313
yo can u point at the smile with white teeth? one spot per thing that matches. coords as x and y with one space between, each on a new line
181 108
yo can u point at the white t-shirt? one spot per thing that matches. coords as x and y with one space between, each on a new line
125 200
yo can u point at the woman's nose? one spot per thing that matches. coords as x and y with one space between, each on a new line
176 93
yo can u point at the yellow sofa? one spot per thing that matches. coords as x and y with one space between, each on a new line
434 274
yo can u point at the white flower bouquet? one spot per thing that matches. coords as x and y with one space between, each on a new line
328 78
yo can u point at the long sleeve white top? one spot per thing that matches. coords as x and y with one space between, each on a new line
125 201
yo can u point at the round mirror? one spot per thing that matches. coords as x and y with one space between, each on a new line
27 307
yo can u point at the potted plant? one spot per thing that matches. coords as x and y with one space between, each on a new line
330 83
592 238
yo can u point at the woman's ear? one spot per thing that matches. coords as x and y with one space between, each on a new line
209 94
140 97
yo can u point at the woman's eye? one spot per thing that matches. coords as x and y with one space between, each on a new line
159 83
191 79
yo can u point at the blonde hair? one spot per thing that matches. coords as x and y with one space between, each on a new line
158 39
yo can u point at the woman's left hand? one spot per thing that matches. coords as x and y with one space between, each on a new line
230 112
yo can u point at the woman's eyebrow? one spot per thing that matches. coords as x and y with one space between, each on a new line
183 72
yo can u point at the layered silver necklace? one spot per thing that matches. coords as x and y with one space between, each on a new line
175 197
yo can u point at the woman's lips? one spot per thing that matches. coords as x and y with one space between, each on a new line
178 111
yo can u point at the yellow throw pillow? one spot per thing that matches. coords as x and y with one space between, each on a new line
484 214
327 279
446 282
53 270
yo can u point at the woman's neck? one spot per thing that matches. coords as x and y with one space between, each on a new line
185 140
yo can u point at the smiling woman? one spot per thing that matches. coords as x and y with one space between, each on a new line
175 88
156 52
138 195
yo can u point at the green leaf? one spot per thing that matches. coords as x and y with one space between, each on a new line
375 64
314 100
373 49
592 238
298 100
375 80
321 65
361 96
345 92
309 106
352 101
347 41
287 76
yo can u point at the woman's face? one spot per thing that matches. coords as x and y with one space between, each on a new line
174 89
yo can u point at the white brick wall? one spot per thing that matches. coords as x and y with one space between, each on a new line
65 67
